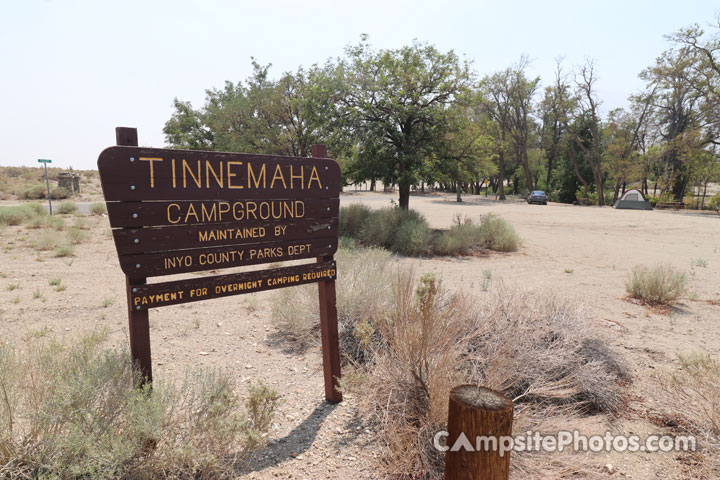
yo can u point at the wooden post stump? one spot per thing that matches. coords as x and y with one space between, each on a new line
478 412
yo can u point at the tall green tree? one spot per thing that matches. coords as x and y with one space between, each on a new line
465 154
521 95
261 115
395 101
554 111
588 136
498 106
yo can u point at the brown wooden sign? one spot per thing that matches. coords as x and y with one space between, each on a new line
183 291
199 259
139 214
142 174
159 239
179 211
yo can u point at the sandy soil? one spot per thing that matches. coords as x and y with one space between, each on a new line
312 439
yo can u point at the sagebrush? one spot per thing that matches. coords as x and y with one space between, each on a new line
407 342
407 232
690 400
75 411
362 295
657 285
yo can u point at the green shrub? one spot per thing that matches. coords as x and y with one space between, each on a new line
659 285
18 215
46 221
46 240
76 236
98 208
59 193
64 250
37 208
67 207
83 417
346 243
497 234
460 239
352 219
402 231
380 227
36 192
715 202
411 237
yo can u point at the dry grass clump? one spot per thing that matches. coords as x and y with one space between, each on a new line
20 214
539 350
46 221
67 207
76 235
691 401
38 192
46 240
419 360
72 411
98 208
408 343
658 285
362 295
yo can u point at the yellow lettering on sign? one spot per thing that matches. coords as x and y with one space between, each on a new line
278 174
222 211
230 174
254 179
314 176
186 169
208 170
152 170
168 213
301 177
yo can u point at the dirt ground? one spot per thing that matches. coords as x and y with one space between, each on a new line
585 253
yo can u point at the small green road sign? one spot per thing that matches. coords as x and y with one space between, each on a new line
47 181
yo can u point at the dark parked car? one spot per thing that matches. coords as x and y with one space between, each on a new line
537 196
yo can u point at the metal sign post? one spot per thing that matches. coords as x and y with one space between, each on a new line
47 182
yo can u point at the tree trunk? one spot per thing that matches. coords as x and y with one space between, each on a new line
501 177
616 190
702 207
526 167
600 190
372 185
478 412
458 191
404 200
573 157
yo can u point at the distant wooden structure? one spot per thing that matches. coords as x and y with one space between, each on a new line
69 181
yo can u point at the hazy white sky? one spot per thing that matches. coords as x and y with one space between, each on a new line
73 70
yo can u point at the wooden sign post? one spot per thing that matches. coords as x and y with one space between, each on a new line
179 211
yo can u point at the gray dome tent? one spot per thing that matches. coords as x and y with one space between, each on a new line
633 200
